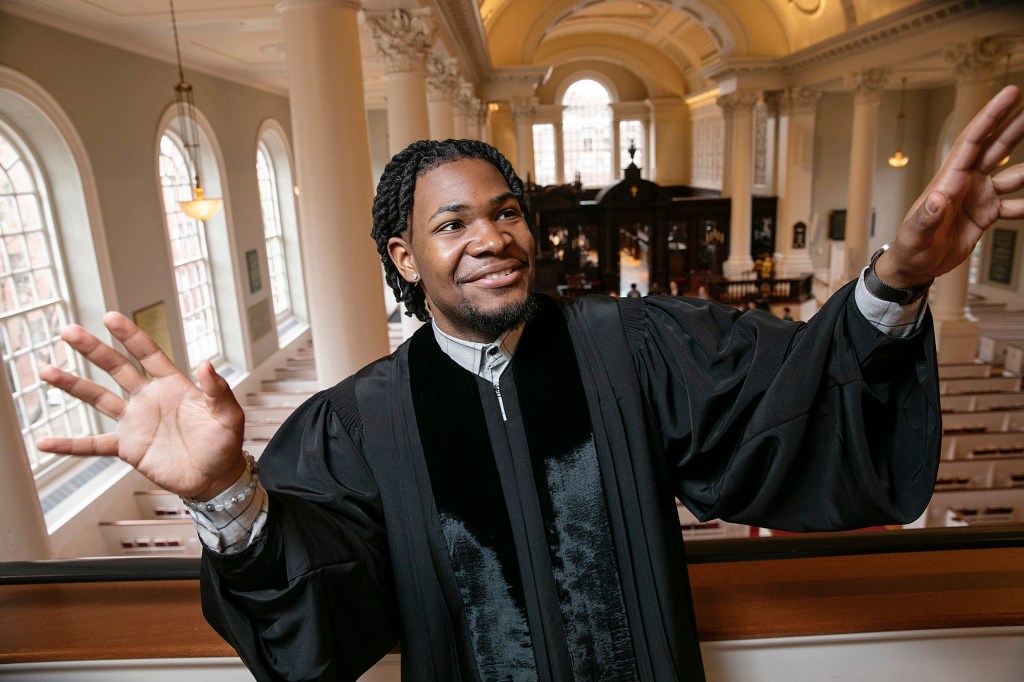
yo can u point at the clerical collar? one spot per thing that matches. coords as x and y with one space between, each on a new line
487 360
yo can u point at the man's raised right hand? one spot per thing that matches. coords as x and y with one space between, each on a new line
185 438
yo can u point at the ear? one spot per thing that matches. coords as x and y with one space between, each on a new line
401 255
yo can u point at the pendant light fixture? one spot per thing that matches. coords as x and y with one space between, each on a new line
899 160
199 207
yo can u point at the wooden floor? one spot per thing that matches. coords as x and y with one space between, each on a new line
733 600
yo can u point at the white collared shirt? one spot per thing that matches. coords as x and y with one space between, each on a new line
486 360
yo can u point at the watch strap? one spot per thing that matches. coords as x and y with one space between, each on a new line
891 294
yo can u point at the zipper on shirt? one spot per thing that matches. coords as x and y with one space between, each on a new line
501 404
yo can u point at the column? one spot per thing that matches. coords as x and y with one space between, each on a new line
403 39
668 156
442 79
740 105
501 131
524 111
479 121
795 177
956 330
462 102
23 534
559 154
617 173
727 140
332 160
867 93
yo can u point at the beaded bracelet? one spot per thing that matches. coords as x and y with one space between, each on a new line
211 506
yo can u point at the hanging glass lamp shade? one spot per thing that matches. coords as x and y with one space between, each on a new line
199 207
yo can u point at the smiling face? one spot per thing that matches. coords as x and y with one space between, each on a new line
470 248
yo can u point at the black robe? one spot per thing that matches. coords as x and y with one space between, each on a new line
824 425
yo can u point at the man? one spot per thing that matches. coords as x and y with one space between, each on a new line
498 493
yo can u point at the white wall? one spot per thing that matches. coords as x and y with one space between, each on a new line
115 100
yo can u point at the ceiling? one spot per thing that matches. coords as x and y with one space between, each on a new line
678 42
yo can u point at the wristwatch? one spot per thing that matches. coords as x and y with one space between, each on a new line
883 291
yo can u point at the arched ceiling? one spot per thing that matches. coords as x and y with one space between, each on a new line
674 47
667 41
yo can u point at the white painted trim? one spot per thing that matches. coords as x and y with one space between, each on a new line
235 342
37 96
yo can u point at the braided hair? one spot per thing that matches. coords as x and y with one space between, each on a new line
392 205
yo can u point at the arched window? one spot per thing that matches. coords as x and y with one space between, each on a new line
189 256
33 304
273 232
587 131
544 154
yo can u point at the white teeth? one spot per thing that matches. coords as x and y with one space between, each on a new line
496 275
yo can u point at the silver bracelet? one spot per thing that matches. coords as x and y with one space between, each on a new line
237 498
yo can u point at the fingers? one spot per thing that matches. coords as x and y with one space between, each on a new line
219 398
103 356
975 137
139 345
104 445
1002 142
88 392
1011 209
1009 180
928 215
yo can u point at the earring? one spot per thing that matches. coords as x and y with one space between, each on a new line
415 277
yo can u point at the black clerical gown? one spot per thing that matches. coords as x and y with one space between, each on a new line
824 425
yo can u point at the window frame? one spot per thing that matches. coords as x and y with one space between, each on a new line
45 467
182 191
275 244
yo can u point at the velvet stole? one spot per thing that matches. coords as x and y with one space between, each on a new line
472 508
467 492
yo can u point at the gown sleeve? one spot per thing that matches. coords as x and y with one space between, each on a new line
824 425
312 598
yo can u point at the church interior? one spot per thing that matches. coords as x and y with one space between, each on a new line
211 176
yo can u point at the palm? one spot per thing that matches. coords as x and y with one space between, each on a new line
183 437
169 434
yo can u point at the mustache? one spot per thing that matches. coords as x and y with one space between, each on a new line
519 263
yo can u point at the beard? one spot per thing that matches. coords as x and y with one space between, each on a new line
498 322
473 322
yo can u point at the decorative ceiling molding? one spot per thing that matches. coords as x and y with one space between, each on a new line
858 50
462 19
890 29
514 82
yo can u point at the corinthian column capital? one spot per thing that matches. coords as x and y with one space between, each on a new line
974 62
442 76
800 100
867 85
739 100
402 37
524 109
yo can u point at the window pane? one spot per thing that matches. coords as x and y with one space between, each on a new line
544 154
631 133
587 132
188 254
272 232
33 307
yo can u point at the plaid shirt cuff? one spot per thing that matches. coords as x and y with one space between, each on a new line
889 318
232 530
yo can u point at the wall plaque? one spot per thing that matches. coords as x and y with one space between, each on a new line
1000 262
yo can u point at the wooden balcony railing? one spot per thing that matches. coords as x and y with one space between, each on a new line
815 584
774 290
